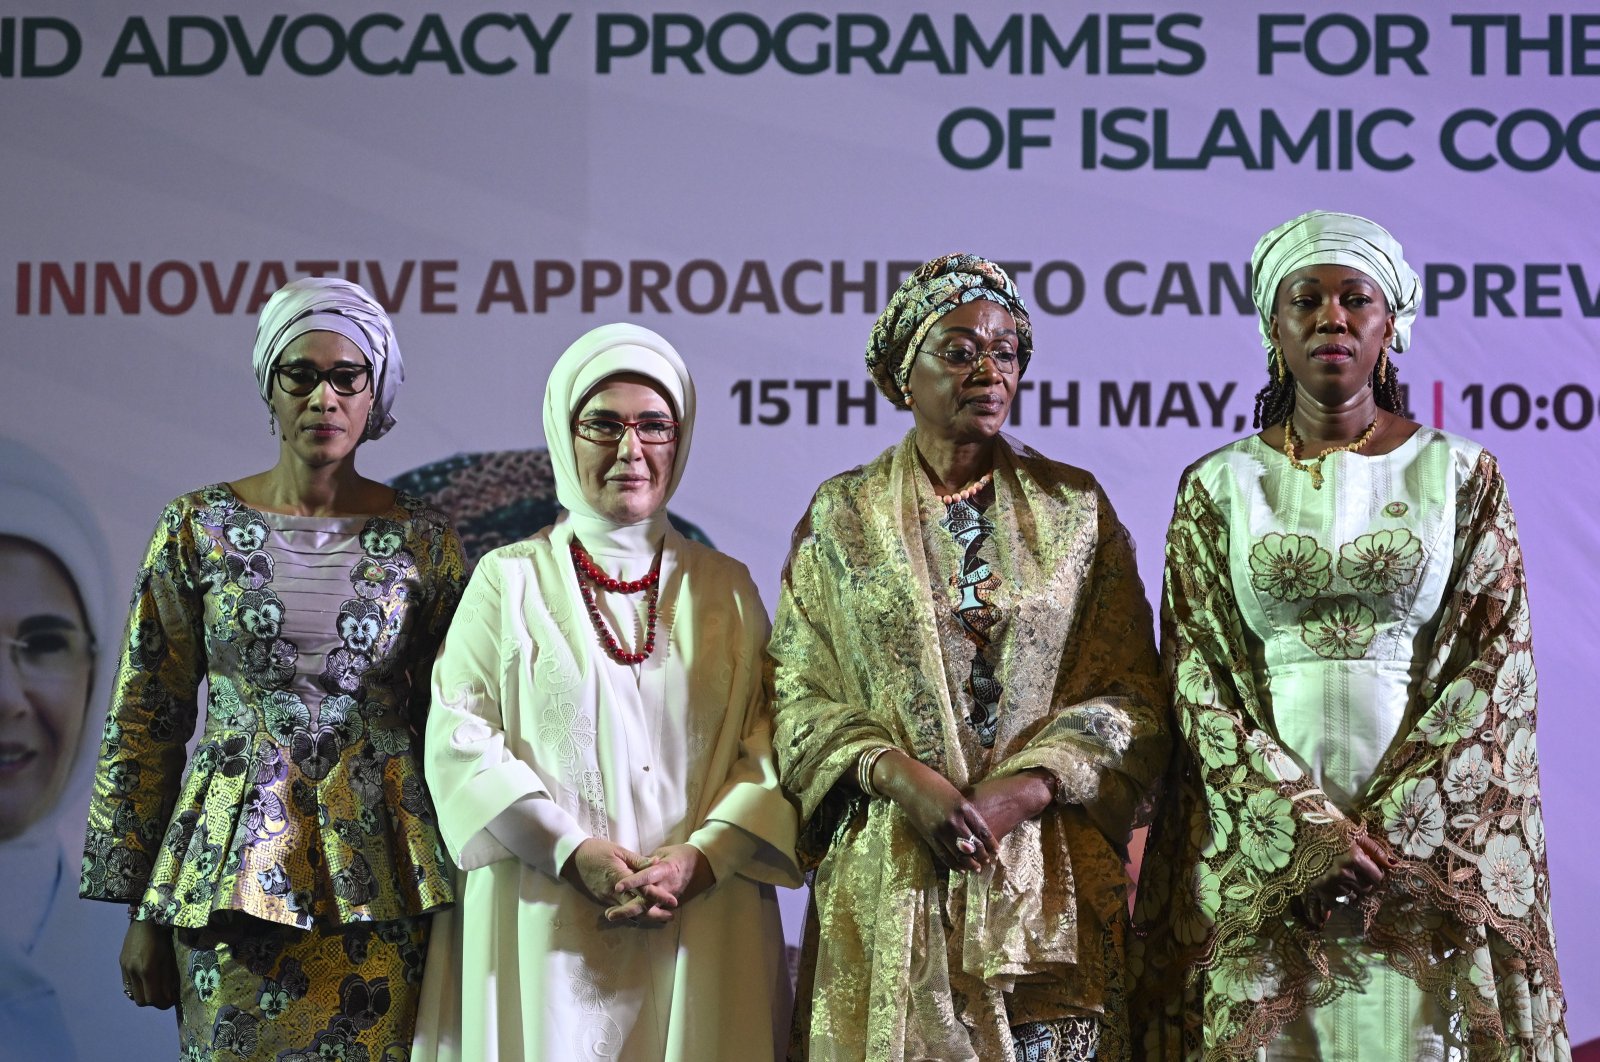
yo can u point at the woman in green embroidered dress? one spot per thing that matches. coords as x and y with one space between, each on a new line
1350 862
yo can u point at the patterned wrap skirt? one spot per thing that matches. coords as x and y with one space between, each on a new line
255 990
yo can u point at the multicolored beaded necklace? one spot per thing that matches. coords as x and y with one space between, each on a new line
588 570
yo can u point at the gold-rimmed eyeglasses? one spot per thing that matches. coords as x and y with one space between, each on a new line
966 360
610 430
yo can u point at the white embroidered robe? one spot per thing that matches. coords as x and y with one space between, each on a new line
526 705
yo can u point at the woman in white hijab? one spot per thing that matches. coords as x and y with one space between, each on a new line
1351 859
54 590
279 882
600 755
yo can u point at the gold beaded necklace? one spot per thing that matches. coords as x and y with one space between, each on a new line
1291 443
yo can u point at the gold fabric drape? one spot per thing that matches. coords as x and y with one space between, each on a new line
902 960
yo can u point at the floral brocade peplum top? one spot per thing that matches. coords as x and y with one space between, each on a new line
304 799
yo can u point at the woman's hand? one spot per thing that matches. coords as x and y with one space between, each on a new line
950 824
149 967
676 874
595 867
1004 802
1364 868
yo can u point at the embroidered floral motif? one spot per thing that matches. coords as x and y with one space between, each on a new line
1533 830
1507 872
1516 688
249 571
1196 917
382 537
260 613
1218 742
1487 566
269 662
1266 830
1219 823
1522 764
1246 977
1269 758
1195 682
1458 713
1467 777
360 623
1338 628
1290 567
1396 508
1382 562
245 530
559 729
1414 817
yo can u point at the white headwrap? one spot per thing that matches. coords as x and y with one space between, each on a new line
38 503
327 304
607 351
1326 237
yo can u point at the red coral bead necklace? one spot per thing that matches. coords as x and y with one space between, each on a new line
589 572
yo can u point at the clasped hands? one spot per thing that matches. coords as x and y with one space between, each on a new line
1363 871
646 890
962 828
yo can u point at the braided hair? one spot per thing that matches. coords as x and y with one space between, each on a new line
1275 401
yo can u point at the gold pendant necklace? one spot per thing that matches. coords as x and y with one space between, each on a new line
1291 443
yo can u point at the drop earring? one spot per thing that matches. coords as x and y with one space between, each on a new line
272 423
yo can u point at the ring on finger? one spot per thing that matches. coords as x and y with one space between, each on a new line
967 845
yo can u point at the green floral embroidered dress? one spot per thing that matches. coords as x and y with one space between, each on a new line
302 806
1355 657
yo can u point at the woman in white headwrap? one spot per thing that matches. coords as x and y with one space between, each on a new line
1351 859
278 883
600 755
53 595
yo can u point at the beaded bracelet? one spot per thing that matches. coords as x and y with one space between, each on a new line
864 765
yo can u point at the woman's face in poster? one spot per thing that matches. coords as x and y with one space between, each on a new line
46 661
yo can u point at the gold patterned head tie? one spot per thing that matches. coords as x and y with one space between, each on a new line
931 291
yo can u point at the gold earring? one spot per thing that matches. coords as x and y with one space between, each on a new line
1275 363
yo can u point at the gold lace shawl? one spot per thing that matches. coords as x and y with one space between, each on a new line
1219 964
897 949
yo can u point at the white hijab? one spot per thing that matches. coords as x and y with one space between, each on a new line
604 352
39 504
1327 237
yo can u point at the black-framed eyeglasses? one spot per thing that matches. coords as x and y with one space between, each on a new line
300 379
610 430
965 359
